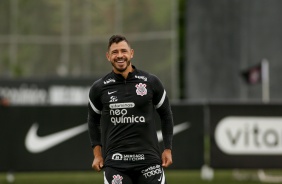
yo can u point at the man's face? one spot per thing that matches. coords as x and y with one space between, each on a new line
120 54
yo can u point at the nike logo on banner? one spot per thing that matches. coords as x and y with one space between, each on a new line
176 129
37 144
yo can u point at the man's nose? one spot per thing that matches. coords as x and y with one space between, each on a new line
119 54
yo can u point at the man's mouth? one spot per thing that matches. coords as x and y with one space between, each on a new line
120 61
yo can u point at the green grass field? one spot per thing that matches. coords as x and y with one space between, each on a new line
89 177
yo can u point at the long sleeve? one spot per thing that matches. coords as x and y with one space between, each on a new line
166 117
94 115
94 128
164 110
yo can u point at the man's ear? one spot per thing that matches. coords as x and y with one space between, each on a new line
132 53
108 56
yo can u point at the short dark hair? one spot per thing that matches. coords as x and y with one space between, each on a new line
117 39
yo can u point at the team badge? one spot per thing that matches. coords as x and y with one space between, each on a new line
141 89
117 179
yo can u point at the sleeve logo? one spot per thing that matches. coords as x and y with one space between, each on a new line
141 89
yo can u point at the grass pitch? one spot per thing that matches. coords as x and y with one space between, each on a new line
91 177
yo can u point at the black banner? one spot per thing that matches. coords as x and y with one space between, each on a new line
188 144
49 138
246 136
44 138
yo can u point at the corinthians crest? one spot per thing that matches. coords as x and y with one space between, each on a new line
141 89
117 179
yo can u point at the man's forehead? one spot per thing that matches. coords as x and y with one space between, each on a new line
119 45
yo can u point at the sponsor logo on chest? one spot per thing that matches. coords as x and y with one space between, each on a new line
119 114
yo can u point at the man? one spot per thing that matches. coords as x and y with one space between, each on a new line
122 124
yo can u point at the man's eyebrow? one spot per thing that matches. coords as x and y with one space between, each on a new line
114 50
122 49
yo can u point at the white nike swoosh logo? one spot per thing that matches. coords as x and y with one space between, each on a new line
109 93
176 129
160 178
36 144
161 175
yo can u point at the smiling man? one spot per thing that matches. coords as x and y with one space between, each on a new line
121 121
120 54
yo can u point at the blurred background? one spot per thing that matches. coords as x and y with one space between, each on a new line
68 38
197 48
208 54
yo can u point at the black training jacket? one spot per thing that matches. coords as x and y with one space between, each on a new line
121 118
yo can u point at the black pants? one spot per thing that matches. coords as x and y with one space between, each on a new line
149 175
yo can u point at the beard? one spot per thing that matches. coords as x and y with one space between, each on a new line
121 69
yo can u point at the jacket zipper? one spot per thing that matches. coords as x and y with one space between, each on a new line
125 83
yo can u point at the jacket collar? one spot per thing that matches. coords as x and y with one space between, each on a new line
130 74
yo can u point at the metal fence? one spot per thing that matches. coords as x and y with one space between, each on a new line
68 38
